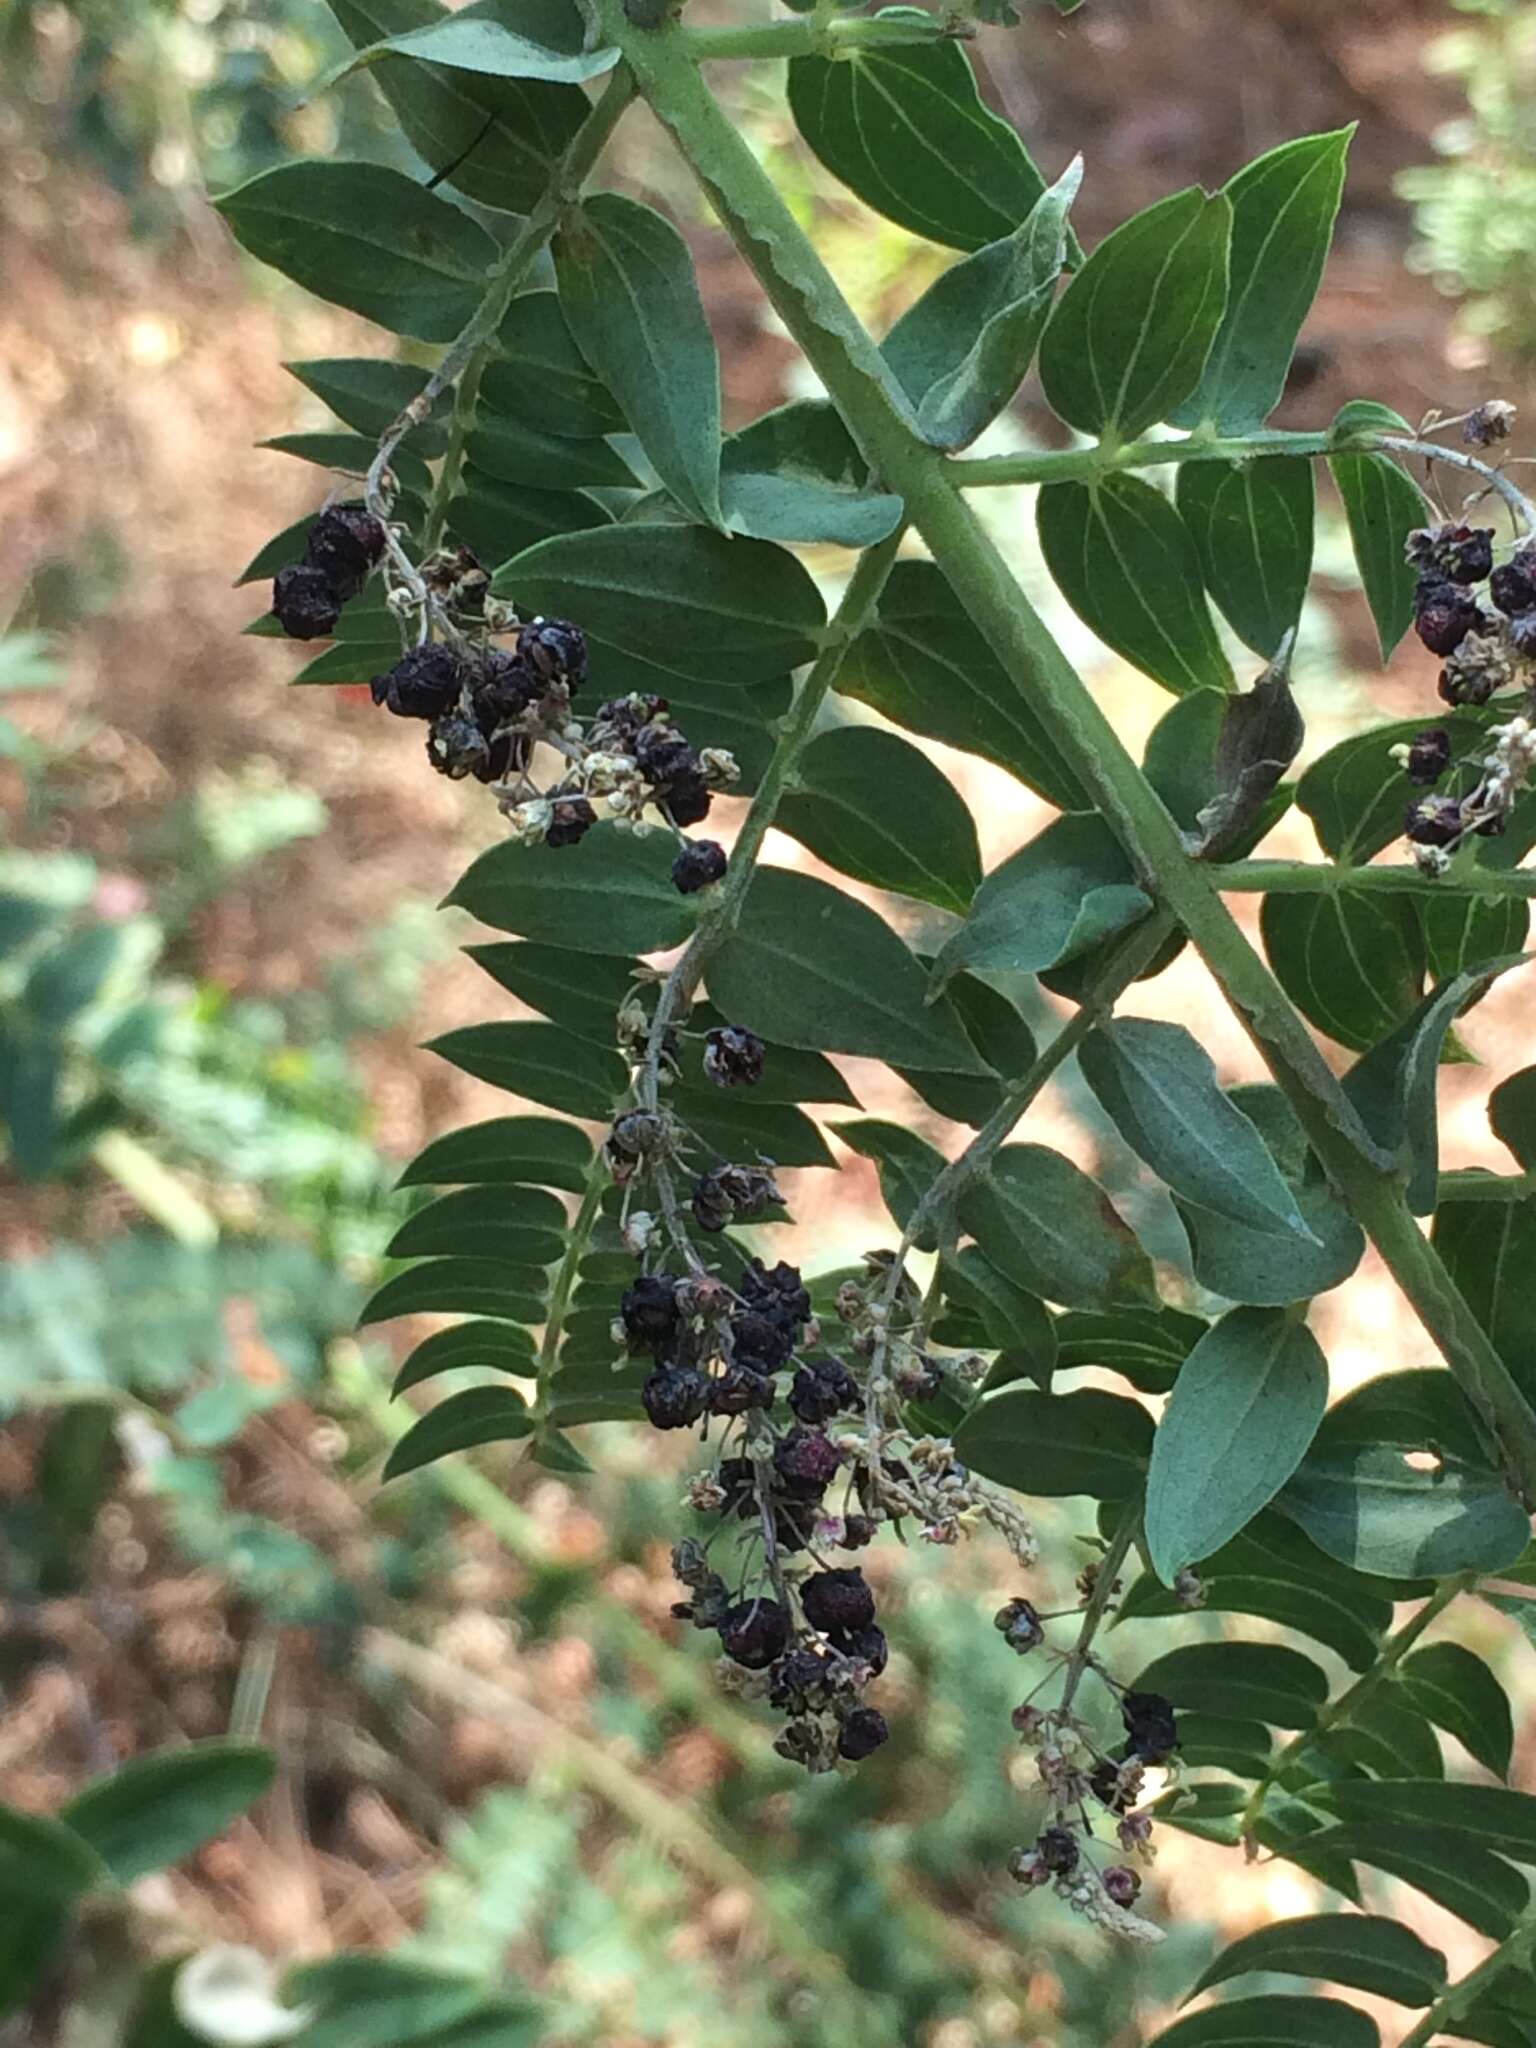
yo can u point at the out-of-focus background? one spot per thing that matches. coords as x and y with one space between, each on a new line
497 1749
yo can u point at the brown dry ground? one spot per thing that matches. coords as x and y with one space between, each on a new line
134 381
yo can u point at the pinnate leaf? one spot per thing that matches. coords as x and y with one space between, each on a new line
1457 1691
1044 1223
155 1810
795 475
1251 524
478 1415
1262 1681
1383 506
542 1151
872 806
1052 1445
612 893
494 1347
477 1287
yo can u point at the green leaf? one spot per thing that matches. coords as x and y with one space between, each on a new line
536 1149
964 348
1512 1114
583 992
477 40
1394 1085
1064 892
1387 1737
1273 2021
528 456
1157 1084
1258 1681
924 665
541 1062
1448 1867
999 1034
1493 1816
807 966
1489 1249
1217 1742
519 1224
479 1415
1251 524
908 1165
795 475
368 393
1272 1267
35 1934
1129 338
366 238
150 1813
1283 209
1457 1691
1052 1445
1458 930
788 1075
872 806
1351 961
1011 1320
632 303
905 128
613 893
733 1127
1146 1345
385 2001
495 139
1358 1949
350 455
475 1287
1242 1413
1044 1223
601 1392
1383 506
495 1347
542 378
1125 562
1357 796
43 1860
498 520
720 610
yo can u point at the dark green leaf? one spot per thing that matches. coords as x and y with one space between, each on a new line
1386 1736
541 1062
542 378
925 666
1351 962
496 139
1394 1085
474 1287
30 1071
42 1859
963 349
1146 1345
1259 1681
1243 1411
530 457
1058 1444
1458 931
871 805
1383 506
1064 892
1209 1812
999 1034
382 2001
1283 209
496 1347
1448 1867
1490 1251
539 1150
584 992
1045 1224
1357 795
520 1224
908 1167
1512 1113
1217 1742
795 475
1195 758
721 610
1010 1319
632 302
498 520
1127 342
1125 562
1273 2021
1248 1576
611 894
1251 523
157 1809
479 1415
788 1075
1158 1086
546 45
366 238
733 1127
368 393
1491 1815
1461 1695
1358 1949
597 1393
904 127
809 967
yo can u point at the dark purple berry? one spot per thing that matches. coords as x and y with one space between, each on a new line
345 541
868 1646
675 1397
760 1340
1474 685
1058 1850
1151 1726
737 1389
556 649
1122 1884
861 1734
687 801
839 1603
507 686
1434 821
710 1204
305 602
701 863
1443 615
733 1057
1521 632
572 819
422 684
799 1681
1513 587
1109 1787
1429 755
858 1530
778 1288
737 1480
807 1461
754 1633
822 1388
1021 1627
649 1312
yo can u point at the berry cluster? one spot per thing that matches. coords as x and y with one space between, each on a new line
1483 652
345 543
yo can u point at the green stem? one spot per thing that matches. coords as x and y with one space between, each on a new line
1456 2000
1393 1650
1474 1185
1326 878
812 38
1084 465
582 1225
1105 1575
878 416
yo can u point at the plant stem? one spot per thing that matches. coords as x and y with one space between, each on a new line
1105 1575
1084 465
1457 458
813 38
1336 1712
1456 2000
1327 878
581 1228
878 416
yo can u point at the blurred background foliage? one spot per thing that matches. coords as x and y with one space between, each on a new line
217 946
